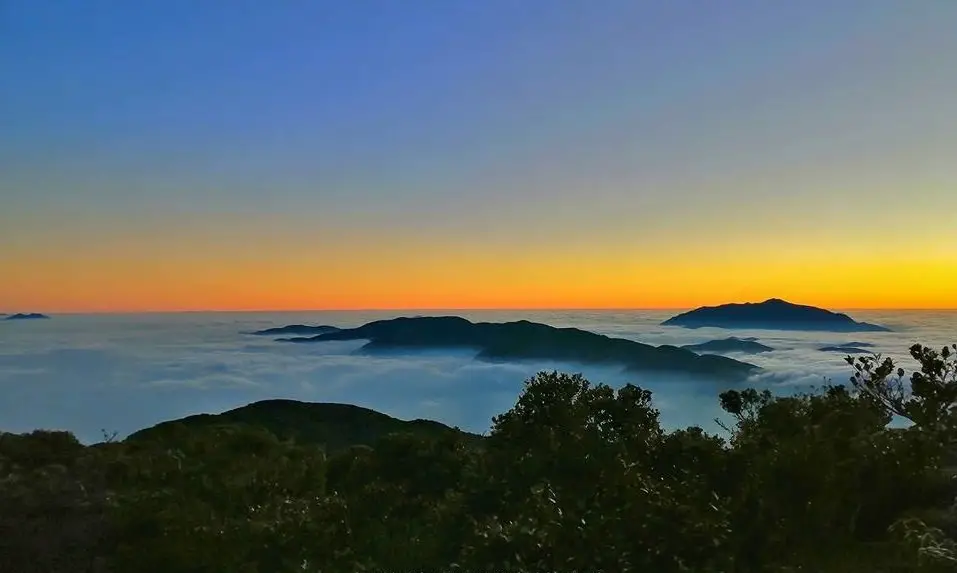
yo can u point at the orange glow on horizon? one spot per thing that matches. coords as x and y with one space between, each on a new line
216 270
86 287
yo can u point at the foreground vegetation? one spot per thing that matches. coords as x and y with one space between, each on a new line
575 477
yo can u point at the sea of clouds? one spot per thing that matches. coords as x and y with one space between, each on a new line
120 373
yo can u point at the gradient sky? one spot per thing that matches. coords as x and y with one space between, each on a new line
241 154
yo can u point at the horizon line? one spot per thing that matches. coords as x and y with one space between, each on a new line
459 309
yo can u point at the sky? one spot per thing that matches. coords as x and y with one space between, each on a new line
241 155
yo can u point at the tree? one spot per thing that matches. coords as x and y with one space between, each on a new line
929 400
53 505
575 476
569 483
216 499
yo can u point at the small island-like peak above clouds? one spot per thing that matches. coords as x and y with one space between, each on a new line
25 316
297 329
730 344
772 314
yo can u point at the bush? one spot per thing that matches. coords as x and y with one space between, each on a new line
576 476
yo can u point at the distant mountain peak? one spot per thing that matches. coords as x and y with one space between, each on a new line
27 316
299 329
730 344
772 314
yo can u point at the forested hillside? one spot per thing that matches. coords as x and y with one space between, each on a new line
575 477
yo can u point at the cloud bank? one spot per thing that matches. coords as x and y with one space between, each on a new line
93 373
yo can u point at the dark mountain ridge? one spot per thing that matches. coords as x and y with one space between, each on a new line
524 340
772 314
849 348
336 426
296 329
730 344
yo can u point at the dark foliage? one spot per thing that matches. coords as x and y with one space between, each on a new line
576 476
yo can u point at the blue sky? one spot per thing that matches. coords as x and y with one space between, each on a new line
560 125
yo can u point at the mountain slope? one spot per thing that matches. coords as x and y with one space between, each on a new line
524 340
336 426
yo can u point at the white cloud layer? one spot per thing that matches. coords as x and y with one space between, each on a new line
122 373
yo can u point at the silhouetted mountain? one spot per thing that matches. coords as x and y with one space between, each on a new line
848 348
336 426
772 314
730 344
26 316
296 329
524 340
